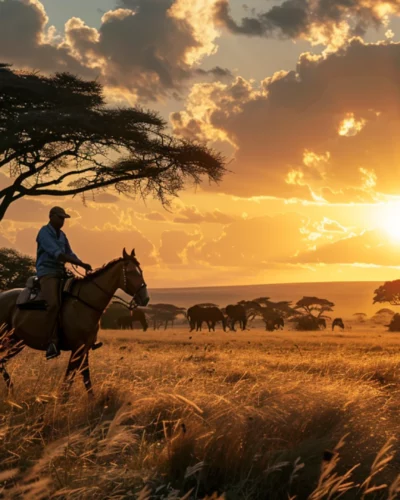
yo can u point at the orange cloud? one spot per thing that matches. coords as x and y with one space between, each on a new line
369 248
191 215
285 134
255 242
173 244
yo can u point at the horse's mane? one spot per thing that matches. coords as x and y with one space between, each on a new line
99 270
96 272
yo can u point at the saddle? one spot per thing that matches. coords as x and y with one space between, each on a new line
31 297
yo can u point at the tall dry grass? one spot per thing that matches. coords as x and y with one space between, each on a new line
251 416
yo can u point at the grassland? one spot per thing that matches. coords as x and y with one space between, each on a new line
244 415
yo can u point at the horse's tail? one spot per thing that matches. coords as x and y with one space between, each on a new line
7 307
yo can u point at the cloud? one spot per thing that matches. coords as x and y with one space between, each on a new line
4 242
96 246
217 72
331 226
191 215
369 248
24 39
147 49
105 198
29 210
257 242
153 216
319 21
173 244
322 132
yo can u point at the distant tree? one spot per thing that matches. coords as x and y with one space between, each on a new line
308 322
394 325
162 314
283 308
360 317
56 136
388 292
385 310
314 306
15 268
312 311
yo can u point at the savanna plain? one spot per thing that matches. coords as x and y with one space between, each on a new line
252 415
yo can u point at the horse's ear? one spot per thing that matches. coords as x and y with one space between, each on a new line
133 253
124 254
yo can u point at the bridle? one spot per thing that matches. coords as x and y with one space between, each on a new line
105 292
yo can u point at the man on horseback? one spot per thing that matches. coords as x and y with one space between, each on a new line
53 251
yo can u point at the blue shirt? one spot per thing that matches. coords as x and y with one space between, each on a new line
49 247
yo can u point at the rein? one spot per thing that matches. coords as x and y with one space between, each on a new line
77 297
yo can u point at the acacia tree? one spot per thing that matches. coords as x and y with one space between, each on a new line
360 317
389 292
57 134
312 311
162 314
15 268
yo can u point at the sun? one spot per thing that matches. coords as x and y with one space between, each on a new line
390 222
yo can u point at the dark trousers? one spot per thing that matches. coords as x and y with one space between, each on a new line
51 290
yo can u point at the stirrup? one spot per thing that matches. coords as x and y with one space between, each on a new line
97 345
52 352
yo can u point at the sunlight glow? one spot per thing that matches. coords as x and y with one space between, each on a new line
350 126
390 221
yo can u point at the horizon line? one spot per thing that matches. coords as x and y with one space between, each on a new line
265 284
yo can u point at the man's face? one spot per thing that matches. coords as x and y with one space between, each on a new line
57 221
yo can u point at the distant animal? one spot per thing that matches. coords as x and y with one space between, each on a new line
236 313
126 322
193 316
337 322
197 315
273 321
212 316
321 323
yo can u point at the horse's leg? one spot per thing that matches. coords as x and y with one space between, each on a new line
13 348
75 363
85 370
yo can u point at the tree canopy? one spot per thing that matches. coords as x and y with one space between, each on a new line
15 269
314 306
57 136
388 292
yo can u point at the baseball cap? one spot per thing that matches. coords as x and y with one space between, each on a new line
60 212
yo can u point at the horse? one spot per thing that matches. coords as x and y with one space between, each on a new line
79 317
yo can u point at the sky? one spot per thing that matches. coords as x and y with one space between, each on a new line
304 105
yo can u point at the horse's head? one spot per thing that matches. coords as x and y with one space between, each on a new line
132 279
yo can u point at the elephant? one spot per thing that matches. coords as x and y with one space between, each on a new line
236 313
